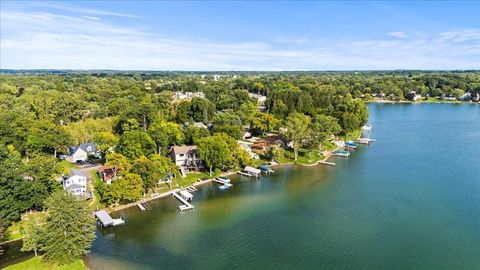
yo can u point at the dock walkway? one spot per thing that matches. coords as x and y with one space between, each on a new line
186 205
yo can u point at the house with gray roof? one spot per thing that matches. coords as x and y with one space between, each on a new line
81 152
76 183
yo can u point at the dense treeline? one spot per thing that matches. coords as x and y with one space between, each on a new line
134 117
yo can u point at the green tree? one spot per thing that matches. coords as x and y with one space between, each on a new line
275 152
105 141
127 188
214 151
69 228
263 122
119 163
48 138
134 144
297 130
193 134
324 126
149 171
228 123
165 134
32 236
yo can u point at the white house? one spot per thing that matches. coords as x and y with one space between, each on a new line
76 183
246 147
186 157
81 152
187 95
260 98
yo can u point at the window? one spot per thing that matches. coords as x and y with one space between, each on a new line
182 155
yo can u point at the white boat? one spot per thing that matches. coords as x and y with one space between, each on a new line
225 186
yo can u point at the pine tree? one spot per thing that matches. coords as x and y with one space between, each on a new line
69 228
31 236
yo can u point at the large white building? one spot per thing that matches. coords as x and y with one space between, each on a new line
76 184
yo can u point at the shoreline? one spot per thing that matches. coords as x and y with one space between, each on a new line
164 194
387 101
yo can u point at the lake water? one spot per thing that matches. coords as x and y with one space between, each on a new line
411 200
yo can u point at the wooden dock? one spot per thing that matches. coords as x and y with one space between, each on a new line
186 205
141 207
220 181
326 163
106 220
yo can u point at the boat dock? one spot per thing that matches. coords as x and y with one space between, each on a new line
250 172
326 163
266 169
341 153
225 182
106 220
186 205
144 206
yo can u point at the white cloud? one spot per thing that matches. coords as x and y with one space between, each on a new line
398 34
48 40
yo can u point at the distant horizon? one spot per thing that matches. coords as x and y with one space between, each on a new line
227 71
240 35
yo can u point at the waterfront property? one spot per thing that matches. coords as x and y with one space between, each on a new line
106 173
81 152
261 145
76 183
186 158
104 219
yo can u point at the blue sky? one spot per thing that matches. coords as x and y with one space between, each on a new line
236 35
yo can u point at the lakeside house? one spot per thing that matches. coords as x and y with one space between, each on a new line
81 152
187 95
413 96
106 173
261 146
76 184
260 98
246 147
186 158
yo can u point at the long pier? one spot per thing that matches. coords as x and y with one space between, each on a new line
186 205
141 207
326 163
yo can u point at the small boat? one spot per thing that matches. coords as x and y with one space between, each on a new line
265 169
341 153
350 144
225 186
223 179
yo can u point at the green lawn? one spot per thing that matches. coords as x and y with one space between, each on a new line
15 230
36 263
94 202
65 166
305 156
190 178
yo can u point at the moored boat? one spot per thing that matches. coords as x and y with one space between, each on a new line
341 153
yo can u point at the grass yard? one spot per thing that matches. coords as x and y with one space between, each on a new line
15 230
95 201
36 263
190 178
65 166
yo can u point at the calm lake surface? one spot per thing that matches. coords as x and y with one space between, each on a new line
409 201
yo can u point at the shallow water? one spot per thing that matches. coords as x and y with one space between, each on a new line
409 201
